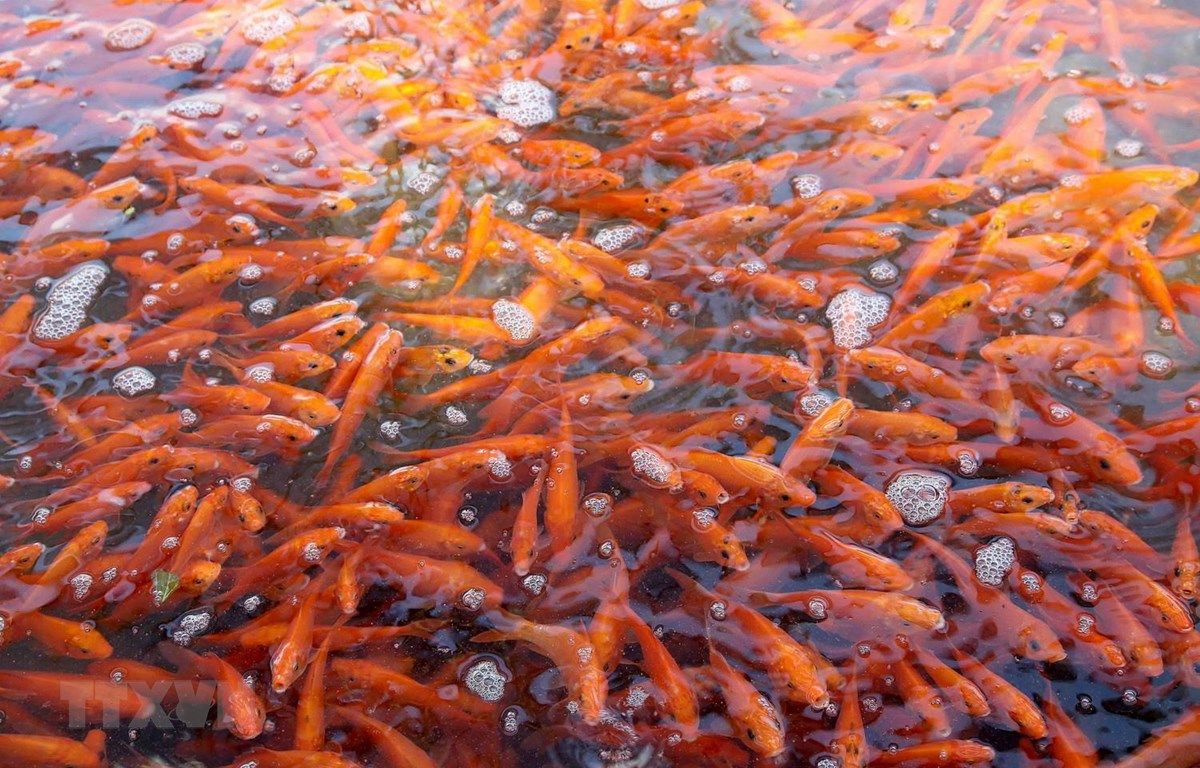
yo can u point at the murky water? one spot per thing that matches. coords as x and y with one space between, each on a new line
591 383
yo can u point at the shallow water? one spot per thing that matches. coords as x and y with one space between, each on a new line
767 206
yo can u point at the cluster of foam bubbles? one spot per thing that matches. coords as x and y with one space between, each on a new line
454 416
853 313
613 239
473 598
268 25
423 183
534 583
129 35
651 467
994 560
654 5
598 504
1156 364
514 319
194 109
1128 148
185 54
813 403
526 103
920 496
499 466
485 680
133 381
807 186
68 301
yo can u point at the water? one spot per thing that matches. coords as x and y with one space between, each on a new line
709 221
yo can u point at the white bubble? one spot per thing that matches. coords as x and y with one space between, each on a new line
651 466
1128 148
423 183
268 25
129 35
718 610
195 623
738 84
813 403
534 583
883 272
639 270
1156 364
598 504
994 560
311 552
613 239
68 301
473 598
807 186
515 208
853 313
920 496
80 584
194 109
185 54
514 319
390 429
454 415
526 103
499 466
133 381
265 306
485 680
654 5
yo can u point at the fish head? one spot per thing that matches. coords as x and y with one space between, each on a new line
242 712
449 359
1025 497
1114 465
1185 579
1038 643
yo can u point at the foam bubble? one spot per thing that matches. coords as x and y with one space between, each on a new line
1128 148
994 560
883 272
268 25
613 239
853 313
513 319
526 103
454 416
813 403
485 680
194 109
534 583
423 183
807 186
1156 364
651 466
129 35
133 381
185 55
598 504
68 301
920 496
654 5
499 466
473 598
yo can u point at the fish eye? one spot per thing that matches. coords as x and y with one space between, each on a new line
1105 464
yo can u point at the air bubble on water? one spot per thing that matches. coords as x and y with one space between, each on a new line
109 575
1060 414
485 680
1057 319
883 272
738 84
1129 697
454 415
473 598
1088 593
534 583
68 301
188 417
598 504
41 515
499 466
807 186
133 381
1071 181
718 610
117 675
243 484
390 429
1031 582
1128 148
1084 705
478 366
468 516
169 543
250 274
515 208
511 721
80 584
509 136
514 319
129 35
703 518
526 103
1156 365
606 548
263 27
919 495
1078 114
194 109
828 762
818 608
651 466
543 216
261 373
994 560
613 239
814 403
423 183
1084 624
1156 78
195 623
638 270
185 55
311 552
853 313
252 603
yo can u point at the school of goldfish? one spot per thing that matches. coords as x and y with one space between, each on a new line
600 382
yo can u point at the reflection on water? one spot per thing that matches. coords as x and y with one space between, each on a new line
581 383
